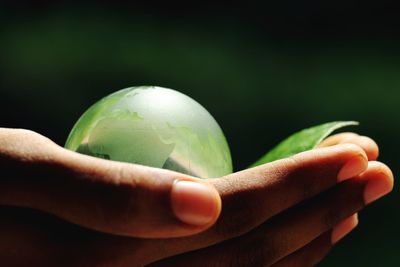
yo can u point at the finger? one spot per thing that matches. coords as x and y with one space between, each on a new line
318 215
370 147
252 196
297 227
113 197
316 250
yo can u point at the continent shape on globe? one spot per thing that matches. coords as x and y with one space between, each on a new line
153 126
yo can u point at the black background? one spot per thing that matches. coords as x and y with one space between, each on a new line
263 69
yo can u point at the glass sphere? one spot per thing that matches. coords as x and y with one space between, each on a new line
153 126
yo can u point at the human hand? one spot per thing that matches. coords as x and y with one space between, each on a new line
296 234
261 222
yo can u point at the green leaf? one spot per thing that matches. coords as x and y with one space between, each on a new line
301 141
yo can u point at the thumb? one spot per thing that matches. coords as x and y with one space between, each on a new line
112 197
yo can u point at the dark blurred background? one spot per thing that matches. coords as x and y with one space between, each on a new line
264 70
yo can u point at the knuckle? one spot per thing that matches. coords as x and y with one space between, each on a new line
306 179
32 137
27 146
294 161
303 162
291 166
123 174
128 186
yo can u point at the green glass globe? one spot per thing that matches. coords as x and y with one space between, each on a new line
153 126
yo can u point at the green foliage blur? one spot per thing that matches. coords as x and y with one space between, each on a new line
260 82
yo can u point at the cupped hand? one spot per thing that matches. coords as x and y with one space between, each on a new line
61 208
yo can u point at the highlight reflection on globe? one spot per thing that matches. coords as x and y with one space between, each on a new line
153 126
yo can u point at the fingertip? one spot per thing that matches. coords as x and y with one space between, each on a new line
195 203
370 147
355 164
337 139
380 181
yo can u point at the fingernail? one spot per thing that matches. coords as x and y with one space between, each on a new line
353 168
194 203
343 228
377 187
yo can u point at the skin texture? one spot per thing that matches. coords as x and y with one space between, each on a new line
60 208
